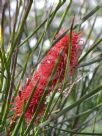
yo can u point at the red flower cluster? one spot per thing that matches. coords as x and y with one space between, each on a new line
44 72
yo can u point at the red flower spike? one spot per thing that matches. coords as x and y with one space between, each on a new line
44 72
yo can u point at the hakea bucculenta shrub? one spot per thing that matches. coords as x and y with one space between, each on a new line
44 72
